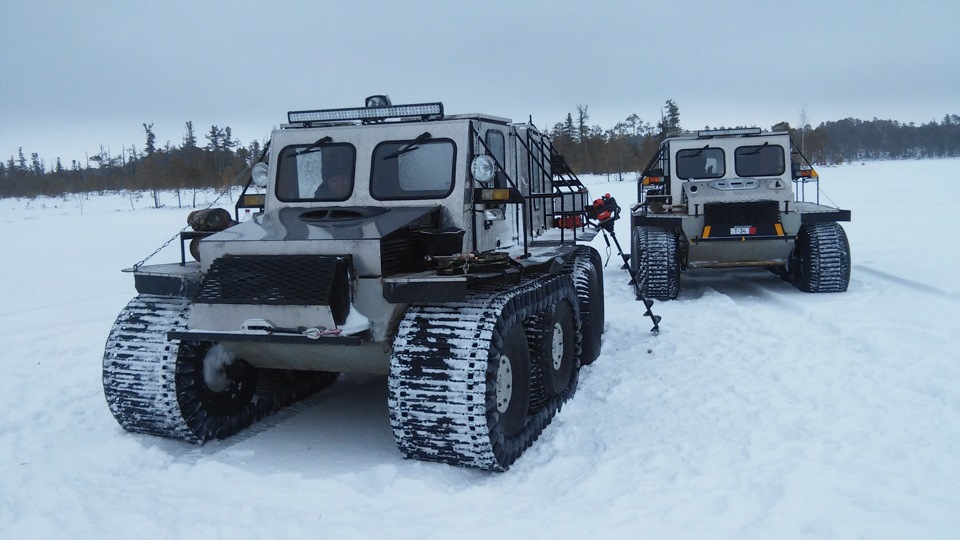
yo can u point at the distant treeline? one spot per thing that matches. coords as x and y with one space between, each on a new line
624 148
184 167
630 144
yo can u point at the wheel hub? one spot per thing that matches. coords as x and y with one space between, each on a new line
215 368
504 383
557 345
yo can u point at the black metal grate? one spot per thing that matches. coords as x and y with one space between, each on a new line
397 254
741 213
279 280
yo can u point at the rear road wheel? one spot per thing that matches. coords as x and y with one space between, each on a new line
510 386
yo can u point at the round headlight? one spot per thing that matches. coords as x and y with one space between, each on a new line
260 174
483 168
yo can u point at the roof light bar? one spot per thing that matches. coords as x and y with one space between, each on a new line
737 131
421 110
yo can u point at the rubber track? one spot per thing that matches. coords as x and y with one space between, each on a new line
591 309
537 334
140 378
829 253
658 272
441 384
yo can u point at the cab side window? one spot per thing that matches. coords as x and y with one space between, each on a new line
497 145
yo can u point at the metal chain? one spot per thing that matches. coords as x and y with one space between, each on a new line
137 265
223 192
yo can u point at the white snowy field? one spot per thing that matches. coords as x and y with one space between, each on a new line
758 412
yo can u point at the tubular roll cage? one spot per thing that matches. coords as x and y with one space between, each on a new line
544 164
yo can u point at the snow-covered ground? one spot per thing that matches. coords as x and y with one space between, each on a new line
758 412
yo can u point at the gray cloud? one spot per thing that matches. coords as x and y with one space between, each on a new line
78 75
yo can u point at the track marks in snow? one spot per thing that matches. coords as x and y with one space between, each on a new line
345 427
680 401
777 308
750 380
908 283
59 305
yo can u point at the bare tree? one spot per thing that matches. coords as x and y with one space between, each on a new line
582 131
803 129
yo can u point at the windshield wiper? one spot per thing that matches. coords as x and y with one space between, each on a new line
320 142
409 147
698 152
757 151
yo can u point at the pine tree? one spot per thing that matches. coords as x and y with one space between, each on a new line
215 138
633 123
568 128
254 150
189 139
228 142
582 127
151 140
670 119
36 167
215 145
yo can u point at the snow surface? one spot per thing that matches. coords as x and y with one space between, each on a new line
758 412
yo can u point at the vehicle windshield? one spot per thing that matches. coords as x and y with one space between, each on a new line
765 160
400 172
699 163
316 173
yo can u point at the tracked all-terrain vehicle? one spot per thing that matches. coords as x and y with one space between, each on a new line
393 240
734 198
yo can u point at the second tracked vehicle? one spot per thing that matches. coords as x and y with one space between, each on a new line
735 198
447 252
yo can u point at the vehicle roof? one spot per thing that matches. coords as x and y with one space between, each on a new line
695 135
447 117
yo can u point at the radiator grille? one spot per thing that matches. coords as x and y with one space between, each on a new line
398 254
279 280
741 213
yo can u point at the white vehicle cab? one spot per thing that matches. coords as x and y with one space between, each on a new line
731 198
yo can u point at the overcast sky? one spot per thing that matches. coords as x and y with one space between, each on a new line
75 75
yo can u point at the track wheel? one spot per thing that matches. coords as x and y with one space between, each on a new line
214 389
508 382
553 350
820 261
